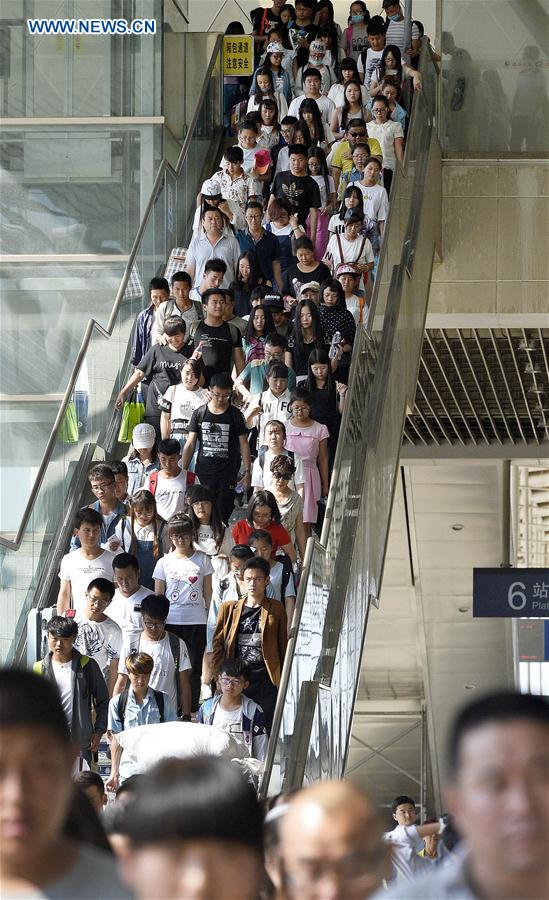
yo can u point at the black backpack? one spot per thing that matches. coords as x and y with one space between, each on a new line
263 450
123 702
174 647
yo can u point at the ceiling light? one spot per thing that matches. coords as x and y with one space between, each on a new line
470 687
528 345
457 526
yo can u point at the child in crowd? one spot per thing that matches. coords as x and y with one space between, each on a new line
98 636
142 458
138 704
144 534
281 576
171 663
168 485
232 711
185 576
274 403
88 561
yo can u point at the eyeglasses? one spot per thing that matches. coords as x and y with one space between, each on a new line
99 601
299 408
152 625
233 682
221 397
380 109
357 134
102 486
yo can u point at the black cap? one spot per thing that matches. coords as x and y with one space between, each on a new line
273 301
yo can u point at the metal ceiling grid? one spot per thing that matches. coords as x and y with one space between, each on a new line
482 386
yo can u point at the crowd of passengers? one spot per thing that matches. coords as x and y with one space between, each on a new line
178 593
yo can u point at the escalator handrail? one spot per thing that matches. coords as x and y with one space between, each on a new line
93 325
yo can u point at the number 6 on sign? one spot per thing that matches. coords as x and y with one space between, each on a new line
516 598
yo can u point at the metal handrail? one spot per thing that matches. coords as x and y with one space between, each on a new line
93 325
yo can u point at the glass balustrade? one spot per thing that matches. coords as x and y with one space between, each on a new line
51 477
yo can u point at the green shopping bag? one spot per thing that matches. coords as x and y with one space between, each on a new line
133 413
68 433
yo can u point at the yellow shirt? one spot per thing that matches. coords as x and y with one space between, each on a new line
347 164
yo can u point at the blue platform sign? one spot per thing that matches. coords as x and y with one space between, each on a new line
510 593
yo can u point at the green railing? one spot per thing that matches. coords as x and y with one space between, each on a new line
343 571
101 367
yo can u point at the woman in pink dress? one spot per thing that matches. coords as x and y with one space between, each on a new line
309 439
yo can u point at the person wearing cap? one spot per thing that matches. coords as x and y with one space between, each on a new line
210 196
310 291
281 74
317 54
275 304
349 278
212 242
235 184
263 243
142 458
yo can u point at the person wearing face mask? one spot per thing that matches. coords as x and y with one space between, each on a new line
355 37
317 59
396 30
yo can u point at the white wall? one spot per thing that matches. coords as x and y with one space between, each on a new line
215 15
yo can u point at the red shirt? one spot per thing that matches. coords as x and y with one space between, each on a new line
242 530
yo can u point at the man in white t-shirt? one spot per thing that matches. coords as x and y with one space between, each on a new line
311 86
369 59
406 840
169 484
125 608
172 666
396 30
98 636
80 683
81 566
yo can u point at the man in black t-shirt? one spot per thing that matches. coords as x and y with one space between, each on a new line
298 188
262 21
216 342
220 431
162 365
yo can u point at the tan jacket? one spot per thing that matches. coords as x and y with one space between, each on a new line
273 624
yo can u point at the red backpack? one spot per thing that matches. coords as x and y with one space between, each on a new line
153 481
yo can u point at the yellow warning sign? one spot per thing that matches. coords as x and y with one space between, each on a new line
238 55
